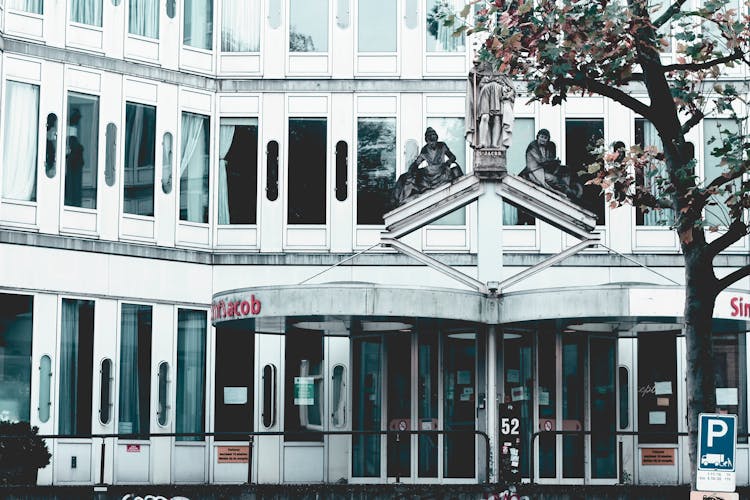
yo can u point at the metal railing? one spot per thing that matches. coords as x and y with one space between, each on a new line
249 437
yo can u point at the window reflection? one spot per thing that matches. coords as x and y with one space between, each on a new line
523 134
81 154
439 36
308 26
377 24
140 157
198 29
581 138
451 132
376 168
16 329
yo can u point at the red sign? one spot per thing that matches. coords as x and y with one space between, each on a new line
232 454
223 309
133 448
740 308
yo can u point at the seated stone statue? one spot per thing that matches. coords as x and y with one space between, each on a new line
544 168
441 168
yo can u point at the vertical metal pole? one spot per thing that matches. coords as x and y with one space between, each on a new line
101 463
491 403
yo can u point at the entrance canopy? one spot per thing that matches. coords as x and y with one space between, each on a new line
331 307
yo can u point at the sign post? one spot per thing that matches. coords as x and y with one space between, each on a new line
717 447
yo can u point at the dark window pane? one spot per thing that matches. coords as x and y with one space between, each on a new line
76 366
303 387
194 169
16 330
191 374
233 405
238 171
140 156
657 388
81 155
376 168
307 171
730 364
581 137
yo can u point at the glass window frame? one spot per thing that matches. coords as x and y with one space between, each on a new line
81 23
18 381
93 151
142 401
308 221
210 38
144 35
260 27
388 205
253 213
329 30
185 193
35 86
425 35
396 29
124 153
10 6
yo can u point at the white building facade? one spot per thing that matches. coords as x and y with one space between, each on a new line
192 201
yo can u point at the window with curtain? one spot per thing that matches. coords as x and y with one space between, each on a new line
21 141
81 154
307 171
439 36
654 179
377 25
33 6
717 214
240 25
523 134
238 170
450 131
376 168
581 137
86 12
76 366
194 168
308 25
143 18
191 373
198 27
140 157
16 331
730 365
135 369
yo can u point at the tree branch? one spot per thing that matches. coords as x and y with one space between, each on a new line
613 93
736 230
734 56
694 120
732 278
667 15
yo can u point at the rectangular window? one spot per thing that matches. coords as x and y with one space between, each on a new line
459 405
307 171
191 373
86 12
135 369
33 6
377 25
240 25
304 407
140 154
451 132
376 168
81 154
143 18
581 138
21 141
603 403
657 388
366 406
233 404
308 25
439 35
76 366
198 29
717 213
194 168
238 170
730 363
16 332
654 179
523 134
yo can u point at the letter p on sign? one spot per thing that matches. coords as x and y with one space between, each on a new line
716 429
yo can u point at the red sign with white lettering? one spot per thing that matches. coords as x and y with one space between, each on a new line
241 308
133 448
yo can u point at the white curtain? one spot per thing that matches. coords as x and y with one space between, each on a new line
193 166
86 12
198 28
68 397
191 355
226 133
240 26
663 217
33 6
21 141
143 18
129 413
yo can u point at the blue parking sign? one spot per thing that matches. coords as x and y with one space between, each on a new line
717 438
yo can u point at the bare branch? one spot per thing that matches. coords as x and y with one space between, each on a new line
723 179
694 120
734 56
732 278
736 230
667 15
613 93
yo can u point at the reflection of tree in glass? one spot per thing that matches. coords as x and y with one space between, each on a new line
376 168
435 17
299 42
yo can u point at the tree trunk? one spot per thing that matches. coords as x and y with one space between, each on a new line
700 296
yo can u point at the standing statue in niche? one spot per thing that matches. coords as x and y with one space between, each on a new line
489 108
441 168
544 168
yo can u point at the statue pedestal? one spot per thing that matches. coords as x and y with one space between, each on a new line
489 163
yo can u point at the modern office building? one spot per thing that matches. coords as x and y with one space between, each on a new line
190 244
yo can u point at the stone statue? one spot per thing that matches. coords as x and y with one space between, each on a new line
441 168
544 168
489 108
